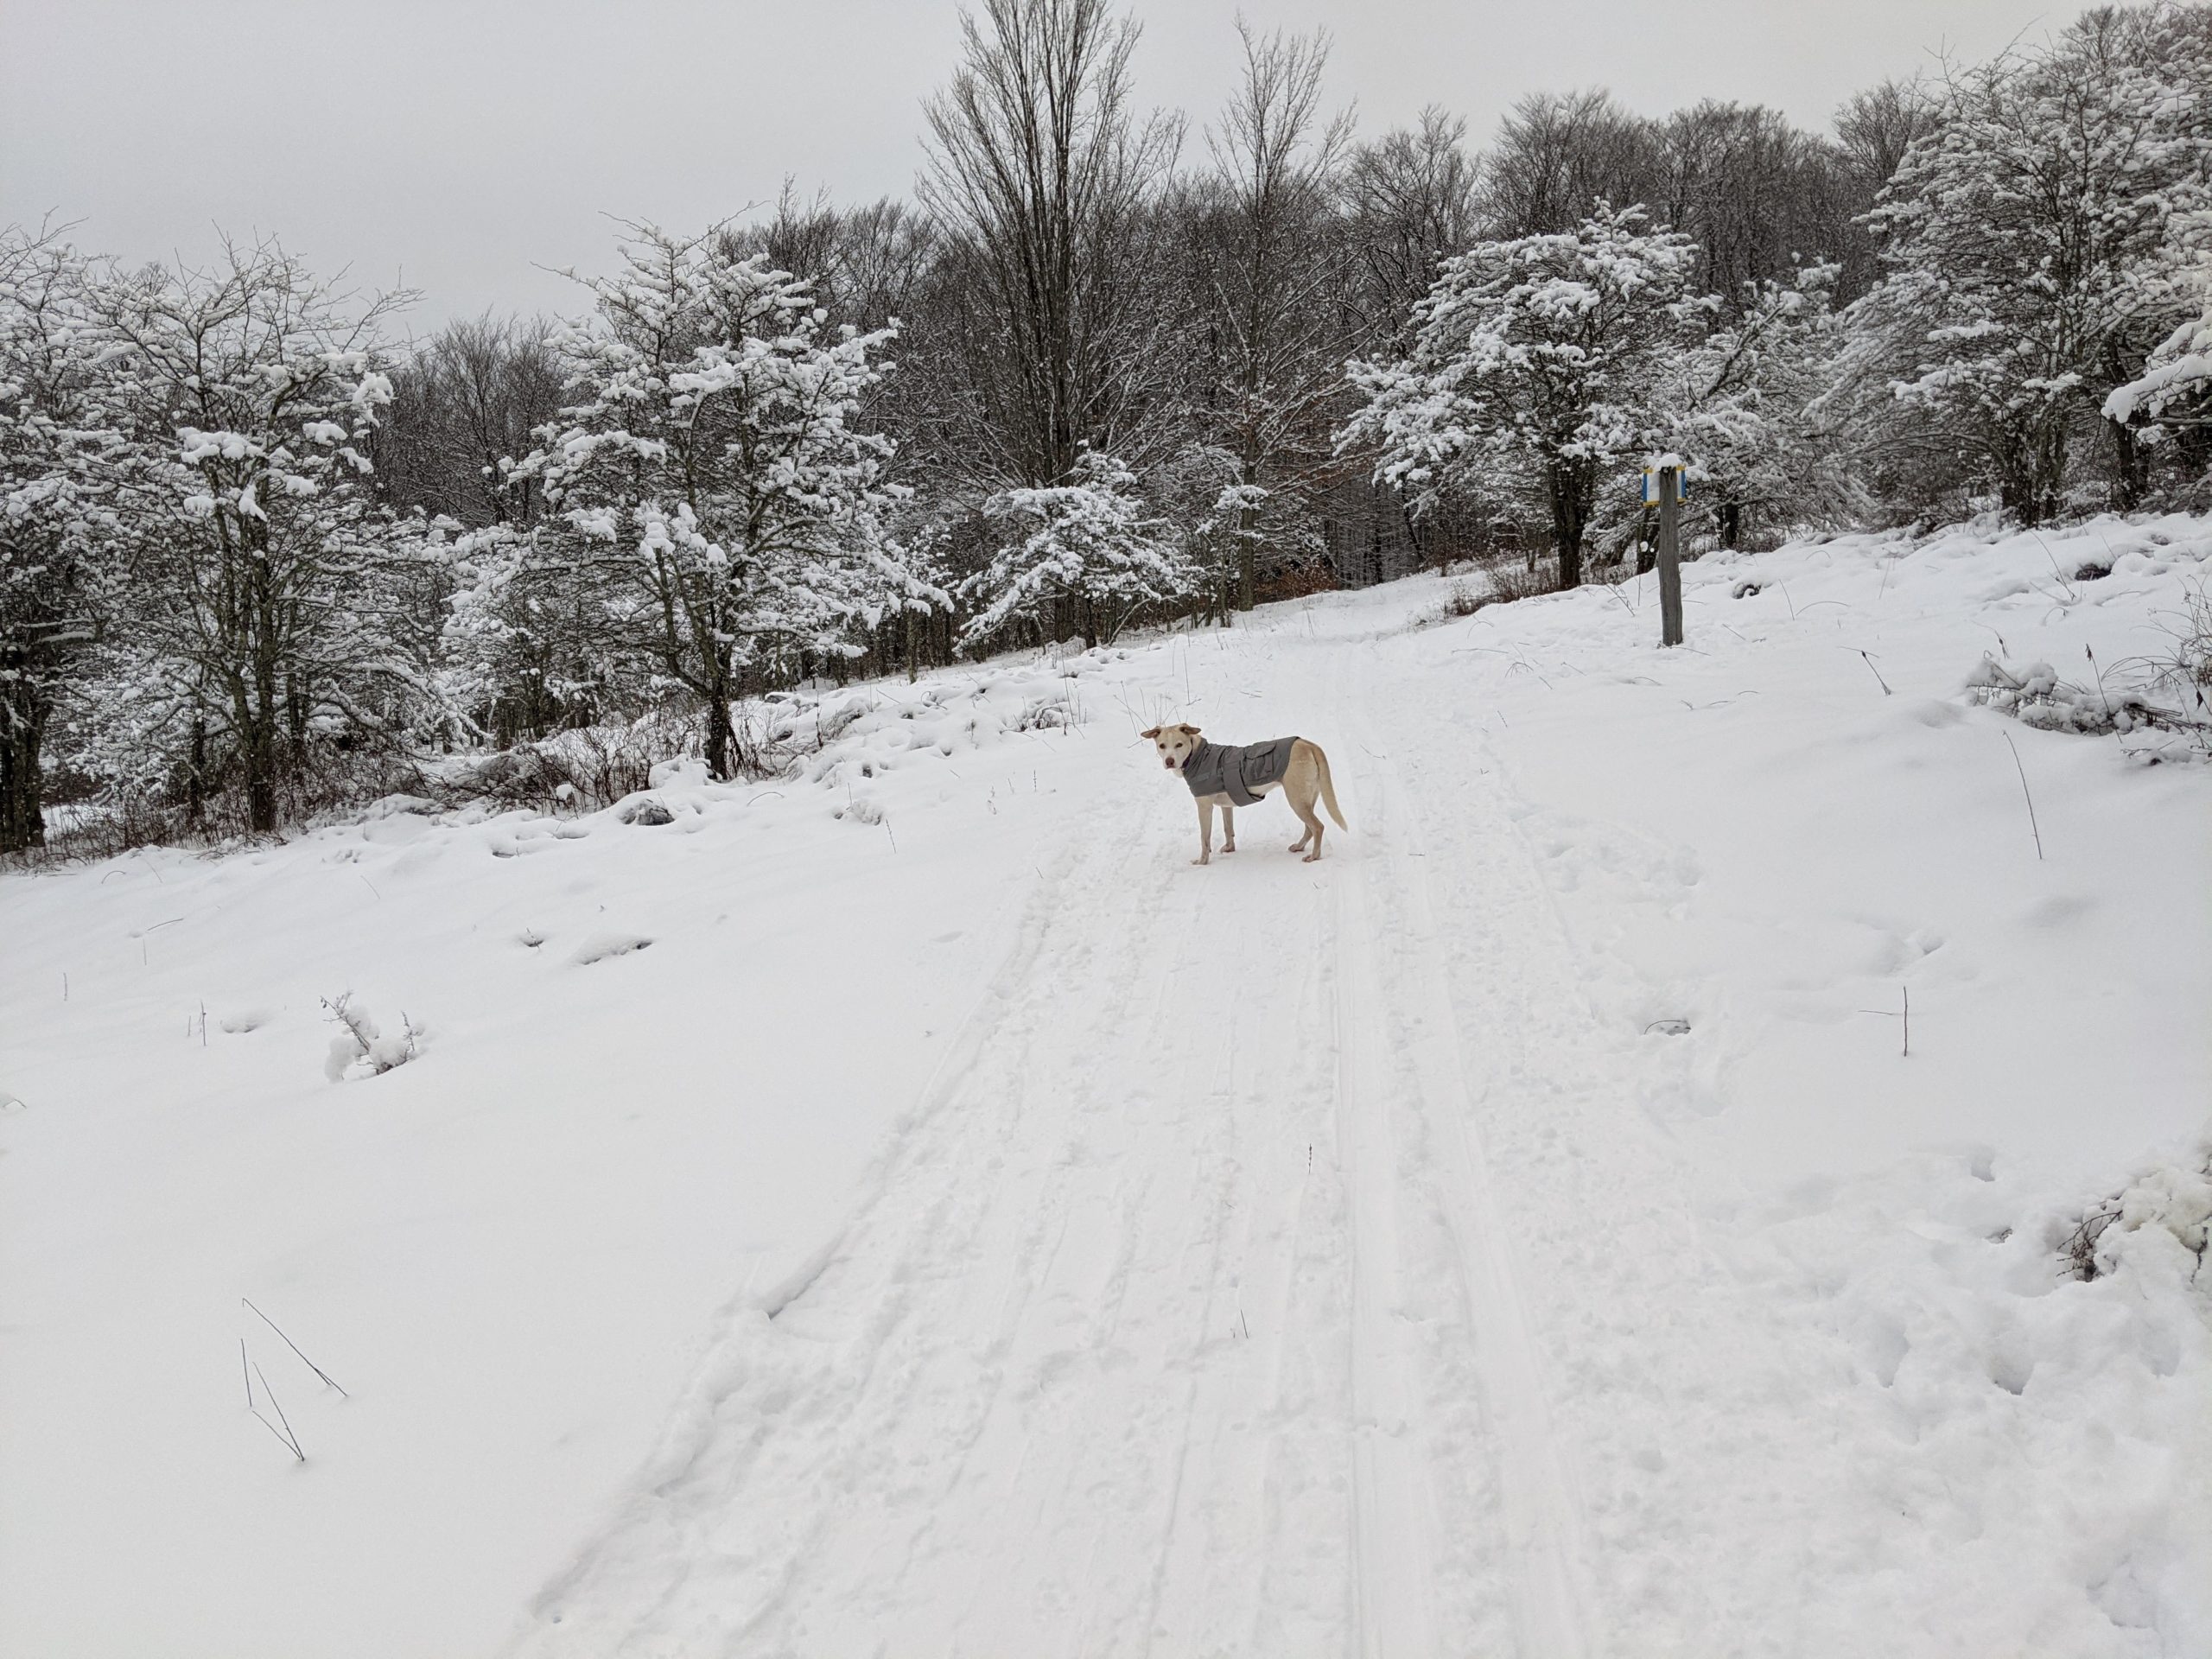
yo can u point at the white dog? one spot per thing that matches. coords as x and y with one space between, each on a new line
1230 776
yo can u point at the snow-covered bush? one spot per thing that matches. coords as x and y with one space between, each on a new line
361 1049
1082 557
2172 1201
2037 697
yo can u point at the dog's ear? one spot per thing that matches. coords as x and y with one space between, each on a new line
1154 732
1192 730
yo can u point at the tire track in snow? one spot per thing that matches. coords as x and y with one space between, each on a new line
1542 1512
1009 1412
627 1590
1392 1522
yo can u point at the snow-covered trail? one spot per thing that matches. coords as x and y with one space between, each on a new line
1185 1314
1121 1352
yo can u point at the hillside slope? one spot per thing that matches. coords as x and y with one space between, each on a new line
908 1209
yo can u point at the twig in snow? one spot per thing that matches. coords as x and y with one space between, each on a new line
294 1347
2024 791
2097 669
284 1434
245 1373
2055 570
1875 671
1906 992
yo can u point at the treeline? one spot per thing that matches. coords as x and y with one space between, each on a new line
1101 370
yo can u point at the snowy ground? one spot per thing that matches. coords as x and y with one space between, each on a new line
965 1227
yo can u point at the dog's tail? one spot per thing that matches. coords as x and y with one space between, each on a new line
1328 789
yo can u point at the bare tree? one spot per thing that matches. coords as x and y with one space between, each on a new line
1758 197
1410 200
1048 188
1277 260
1559 154
464 404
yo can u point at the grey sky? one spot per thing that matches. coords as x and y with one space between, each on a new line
462 145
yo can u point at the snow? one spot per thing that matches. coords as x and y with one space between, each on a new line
905 1207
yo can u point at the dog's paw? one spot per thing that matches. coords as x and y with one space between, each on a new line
1311 858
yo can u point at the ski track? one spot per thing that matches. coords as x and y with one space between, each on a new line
1181 1316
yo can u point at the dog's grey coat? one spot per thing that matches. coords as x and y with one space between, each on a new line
1236 769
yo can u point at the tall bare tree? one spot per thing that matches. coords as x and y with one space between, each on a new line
1277 263
1559 154
464 404
1048 187
1410 200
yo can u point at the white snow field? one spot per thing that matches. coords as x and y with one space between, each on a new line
966 1228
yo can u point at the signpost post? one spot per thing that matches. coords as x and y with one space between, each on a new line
1670 554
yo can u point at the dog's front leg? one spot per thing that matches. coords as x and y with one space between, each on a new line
1228 828
1205 834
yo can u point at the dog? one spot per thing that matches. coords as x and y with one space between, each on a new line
1227 777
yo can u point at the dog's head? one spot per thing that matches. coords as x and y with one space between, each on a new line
1176 743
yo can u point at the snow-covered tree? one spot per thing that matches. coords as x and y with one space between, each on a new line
2030 238
526 648
709 481
1087 548
1543 360
263 604
1745 407
2175 386
56 536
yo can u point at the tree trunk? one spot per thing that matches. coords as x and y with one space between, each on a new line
2129 466
1731 523
261 777
720 739
196 774
1569 494
260 706
22 726
257 727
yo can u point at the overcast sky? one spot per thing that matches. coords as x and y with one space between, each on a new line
461 146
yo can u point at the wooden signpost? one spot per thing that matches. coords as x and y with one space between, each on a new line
1666 481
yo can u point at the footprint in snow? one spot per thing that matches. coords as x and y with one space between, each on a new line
600 946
